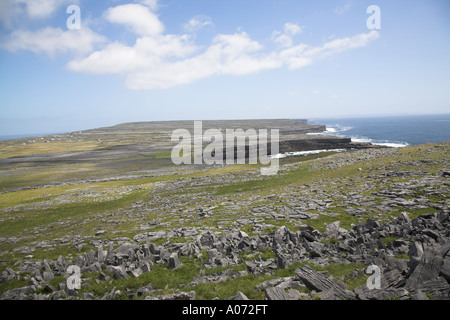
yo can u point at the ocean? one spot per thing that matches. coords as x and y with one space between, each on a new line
393 131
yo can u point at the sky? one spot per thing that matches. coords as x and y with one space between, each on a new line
117 61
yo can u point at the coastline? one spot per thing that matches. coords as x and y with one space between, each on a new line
391 131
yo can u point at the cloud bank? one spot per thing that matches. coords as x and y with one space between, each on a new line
161 61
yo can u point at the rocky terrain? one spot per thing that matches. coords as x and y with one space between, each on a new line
316 230
134 150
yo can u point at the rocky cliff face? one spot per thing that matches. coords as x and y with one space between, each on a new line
328 142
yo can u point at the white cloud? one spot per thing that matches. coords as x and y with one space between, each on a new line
148 53
152 4
303 55
343 9
197 23
282 39
285 39
138 18
7 13
161 61
40 8
167 61
292 29
13 10
53 40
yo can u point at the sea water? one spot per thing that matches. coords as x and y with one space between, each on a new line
393 131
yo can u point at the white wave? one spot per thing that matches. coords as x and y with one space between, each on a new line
391 144
340 131
337 129
362 140
334 130
304 153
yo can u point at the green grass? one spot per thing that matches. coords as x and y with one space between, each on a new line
415 213
353 283
249 229
280 223
42 147
265 254
168 281
338 270
162 155
387 240
346 220
63 251
57 280
239 267
272 182
41 217
246 284
297 159
12 284
160 277
179 240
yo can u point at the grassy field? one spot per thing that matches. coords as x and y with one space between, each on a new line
39 221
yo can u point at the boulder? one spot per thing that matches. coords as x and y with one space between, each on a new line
109 253
137 272
318 282
207 240
419 295
123 250
47 276
445 269
144 290
18 293
174 262
427 268
438 288
175 296
119 272
332 230
240 296
278 293
364 293
404 218
100 254
283 261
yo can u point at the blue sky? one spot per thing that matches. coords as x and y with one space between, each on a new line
147 60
